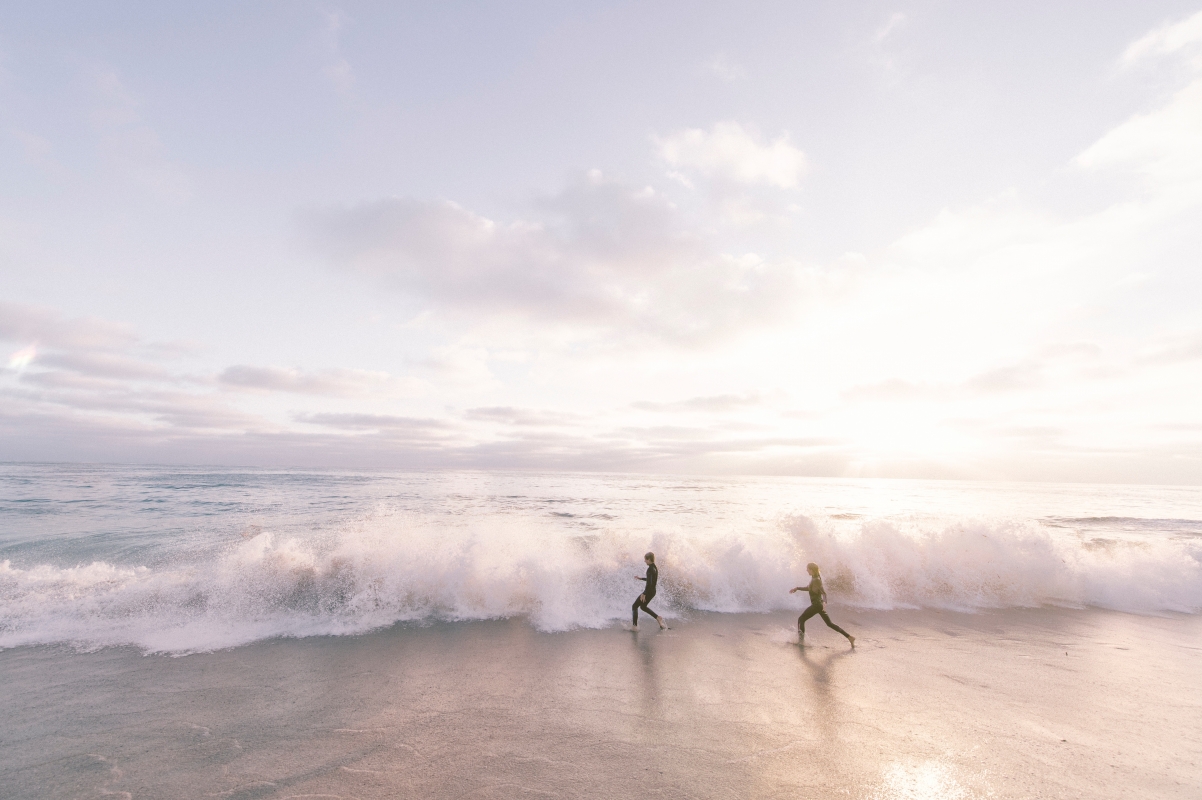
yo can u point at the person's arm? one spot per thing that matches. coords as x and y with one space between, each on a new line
639 578
805 588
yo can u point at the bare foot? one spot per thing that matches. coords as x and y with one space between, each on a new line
662 626
852 639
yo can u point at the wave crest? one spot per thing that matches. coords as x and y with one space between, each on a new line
387 570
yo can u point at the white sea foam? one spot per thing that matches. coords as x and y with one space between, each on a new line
383 570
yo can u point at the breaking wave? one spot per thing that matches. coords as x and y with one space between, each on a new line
382 571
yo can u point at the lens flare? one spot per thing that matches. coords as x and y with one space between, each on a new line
23 357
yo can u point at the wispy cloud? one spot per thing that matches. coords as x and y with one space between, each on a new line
335 382
530 417
37 323
730 152
337 70
711 404
726 69
1182 37
895 22
390 423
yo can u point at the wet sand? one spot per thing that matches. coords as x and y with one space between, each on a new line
1020 703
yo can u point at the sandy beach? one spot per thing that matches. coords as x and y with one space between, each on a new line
1017 703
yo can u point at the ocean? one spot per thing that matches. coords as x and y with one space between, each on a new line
253 633
179 560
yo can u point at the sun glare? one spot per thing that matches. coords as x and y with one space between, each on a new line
23 357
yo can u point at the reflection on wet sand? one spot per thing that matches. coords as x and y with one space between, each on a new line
939 706
929 780
820 667
647 672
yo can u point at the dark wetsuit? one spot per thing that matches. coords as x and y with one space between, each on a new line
815 590
644 599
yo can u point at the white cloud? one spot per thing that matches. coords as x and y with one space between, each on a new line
1161 145
599 256
935 355
729 152
1183 37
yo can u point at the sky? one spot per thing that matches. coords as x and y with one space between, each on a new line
916 240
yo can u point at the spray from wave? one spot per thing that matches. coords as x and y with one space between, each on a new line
386 570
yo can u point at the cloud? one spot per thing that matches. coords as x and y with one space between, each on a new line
711 404
337 382
511 415
337 70
1161 145
104 365
895 22
24 323
599 255
22 358
110 403
725 69
1183 37
377 422
1173 350
728 152
58 348
1008 379
925 357
888 391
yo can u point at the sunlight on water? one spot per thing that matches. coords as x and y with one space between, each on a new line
928 781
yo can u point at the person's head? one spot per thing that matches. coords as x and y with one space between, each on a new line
649 558
812 568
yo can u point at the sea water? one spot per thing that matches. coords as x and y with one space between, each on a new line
179 560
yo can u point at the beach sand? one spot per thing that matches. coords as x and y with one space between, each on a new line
1016 703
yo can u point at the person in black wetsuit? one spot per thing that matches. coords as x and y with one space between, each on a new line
644 599
817 601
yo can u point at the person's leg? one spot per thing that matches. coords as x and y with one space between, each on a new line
832 625
801 621
646 606
634 611
644 602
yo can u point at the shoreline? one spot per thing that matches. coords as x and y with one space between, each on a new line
1031 702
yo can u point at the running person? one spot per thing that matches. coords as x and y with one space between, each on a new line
817 601
643 600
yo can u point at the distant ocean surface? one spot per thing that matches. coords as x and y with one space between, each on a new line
181 560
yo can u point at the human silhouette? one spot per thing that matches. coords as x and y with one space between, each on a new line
817 605
643 600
